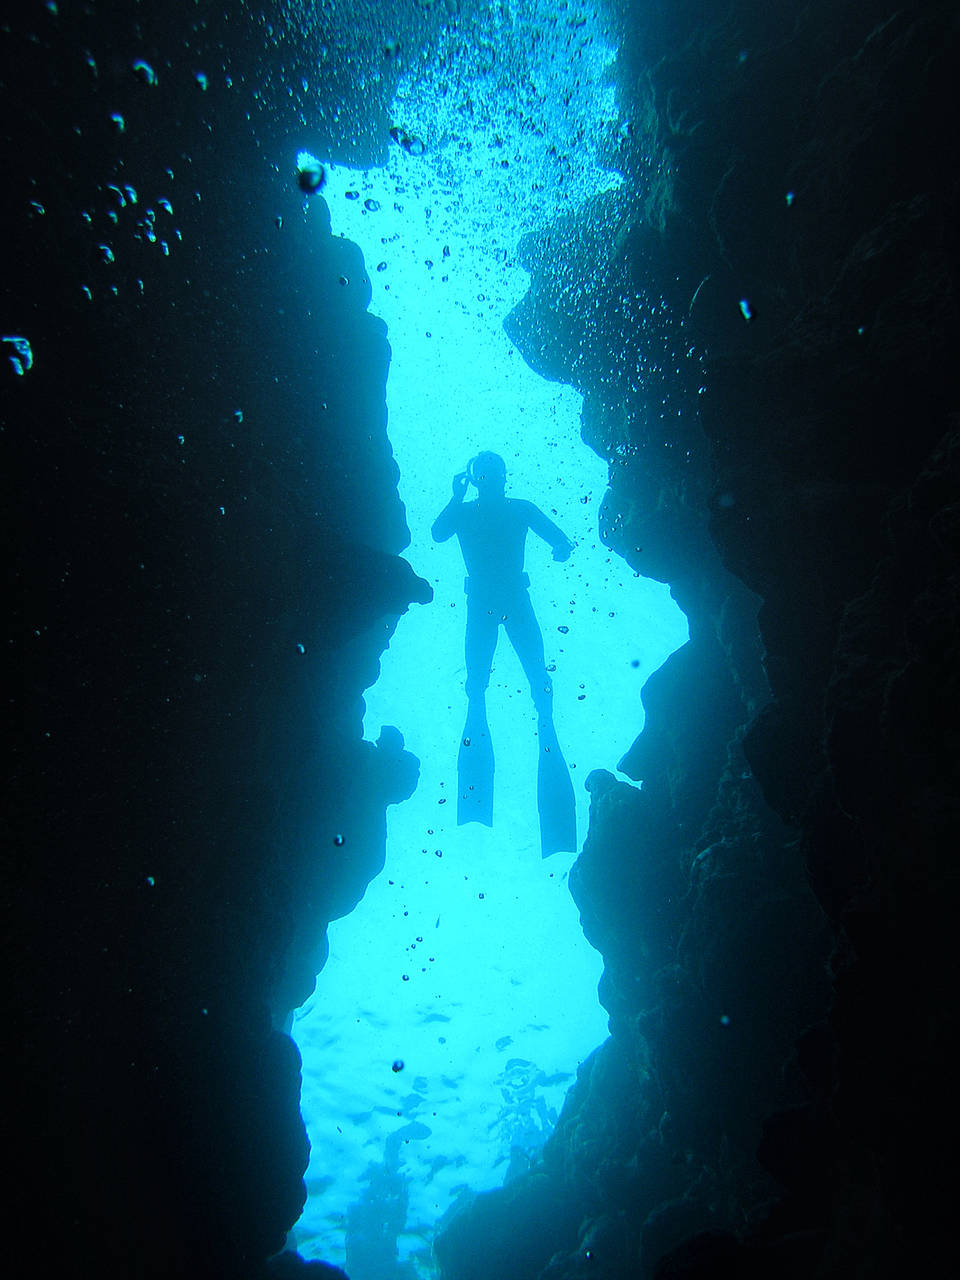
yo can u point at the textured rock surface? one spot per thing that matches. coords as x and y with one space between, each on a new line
208 571
776 906
762 323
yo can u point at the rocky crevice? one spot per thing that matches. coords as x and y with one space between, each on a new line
761 323
775 905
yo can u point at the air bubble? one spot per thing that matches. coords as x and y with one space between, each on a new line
22 358
144 72
310 174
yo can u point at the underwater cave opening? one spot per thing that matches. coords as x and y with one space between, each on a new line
461 996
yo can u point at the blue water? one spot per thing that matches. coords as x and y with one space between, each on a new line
460 996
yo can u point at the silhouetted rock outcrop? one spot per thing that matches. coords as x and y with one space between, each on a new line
766 351
763 323
210 570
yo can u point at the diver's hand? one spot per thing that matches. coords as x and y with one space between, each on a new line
461 483
562 552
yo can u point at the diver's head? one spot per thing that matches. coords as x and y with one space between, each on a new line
488 472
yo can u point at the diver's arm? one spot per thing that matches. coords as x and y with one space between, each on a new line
445 525
549 532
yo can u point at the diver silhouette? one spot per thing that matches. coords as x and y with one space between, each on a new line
492 532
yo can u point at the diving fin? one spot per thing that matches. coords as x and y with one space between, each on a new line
475 770
555 801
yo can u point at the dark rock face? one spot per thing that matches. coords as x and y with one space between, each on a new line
208 572
200 461
762 323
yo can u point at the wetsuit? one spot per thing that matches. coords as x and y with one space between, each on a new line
492 535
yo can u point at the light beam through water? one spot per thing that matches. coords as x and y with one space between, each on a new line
465 961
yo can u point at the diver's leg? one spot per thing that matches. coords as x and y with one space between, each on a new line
483 624
555 799
523 629
475 758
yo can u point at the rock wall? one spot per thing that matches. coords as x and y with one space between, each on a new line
205 554
201 486
762 322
